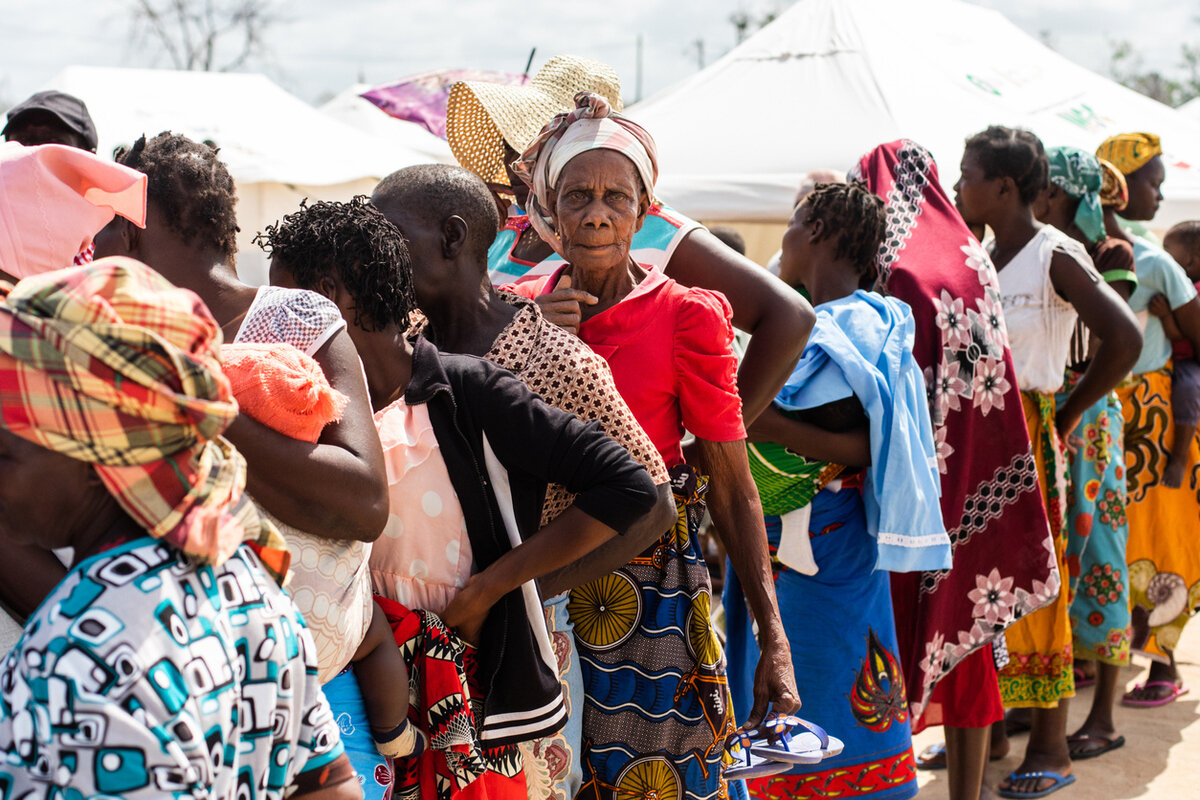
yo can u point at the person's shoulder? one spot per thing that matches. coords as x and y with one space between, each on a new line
1066 245
567 349
670 216
703 320
696 303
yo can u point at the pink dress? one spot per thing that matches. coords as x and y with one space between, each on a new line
423 556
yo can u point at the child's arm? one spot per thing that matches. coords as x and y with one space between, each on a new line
1160 308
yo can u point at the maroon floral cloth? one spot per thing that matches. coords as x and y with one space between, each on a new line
991 502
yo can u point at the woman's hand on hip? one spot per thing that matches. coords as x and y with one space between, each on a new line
468 611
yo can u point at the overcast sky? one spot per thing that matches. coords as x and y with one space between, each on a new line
321 47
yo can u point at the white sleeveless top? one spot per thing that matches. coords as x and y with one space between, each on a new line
330 583
1040 323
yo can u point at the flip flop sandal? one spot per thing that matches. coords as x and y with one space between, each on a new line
808 746
1176 692
748 765
1106 746
932 757
1083 680
1060 781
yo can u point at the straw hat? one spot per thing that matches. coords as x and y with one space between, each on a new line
481 116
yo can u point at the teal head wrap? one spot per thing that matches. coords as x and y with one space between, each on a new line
1077 172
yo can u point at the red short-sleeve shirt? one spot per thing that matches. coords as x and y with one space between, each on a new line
669 349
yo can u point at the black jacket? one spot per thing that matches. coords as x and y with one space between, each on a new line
536 444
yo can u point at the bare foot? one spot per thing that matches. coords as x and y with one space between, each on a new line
1173 474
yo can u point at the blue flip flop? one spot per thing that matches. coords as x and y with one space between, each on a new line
748 764
1060 781
808 746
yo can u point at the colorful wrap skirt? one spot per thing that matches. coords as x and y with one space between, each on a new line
552 770
656 709
1097 532
1164 548
445 698
841 629
1039 672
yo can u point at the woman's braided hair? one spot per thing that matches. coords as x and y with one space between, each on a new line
855 215
1012 153
190 186
354 242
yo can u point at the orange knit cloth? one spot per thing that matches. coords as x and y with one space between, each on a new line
282 388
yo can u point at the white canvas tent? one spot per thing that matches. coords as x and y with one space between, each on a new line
279 149
830 79
363 115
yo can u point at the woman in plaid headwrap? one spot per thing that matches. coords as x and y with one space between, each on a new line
168 640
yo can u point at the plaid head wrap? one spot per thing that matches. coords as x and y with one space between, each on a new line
1129 152
112 365
1078 173
591 125
1114 191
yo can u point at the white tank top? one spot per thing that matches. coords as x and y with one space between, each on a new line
1040 322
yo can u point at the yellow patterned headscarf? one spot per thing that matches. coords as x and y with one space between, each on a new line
1114 191
1129 152
112 365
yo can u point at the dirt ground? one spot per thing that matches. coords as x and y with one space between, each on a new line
1160 759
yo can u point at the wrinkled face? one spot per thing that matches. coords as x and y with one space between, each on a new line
1145 190
796 259
974 194
46 498
597 209
42 127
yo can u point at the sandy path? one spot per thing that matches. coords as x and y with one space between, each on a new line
1161 756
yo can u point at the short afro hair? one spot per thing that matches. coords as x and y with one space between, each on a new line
855 215
1187 233
190 186
355 243
1012 153
437 192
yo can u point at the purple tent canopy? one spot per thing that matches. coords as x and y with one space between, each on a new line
422 98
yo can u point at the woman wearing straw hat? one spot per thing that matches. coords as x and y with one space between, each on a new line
657 711
489 125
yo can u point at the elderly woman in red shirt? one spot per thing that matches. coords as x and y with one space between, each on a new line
644 631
